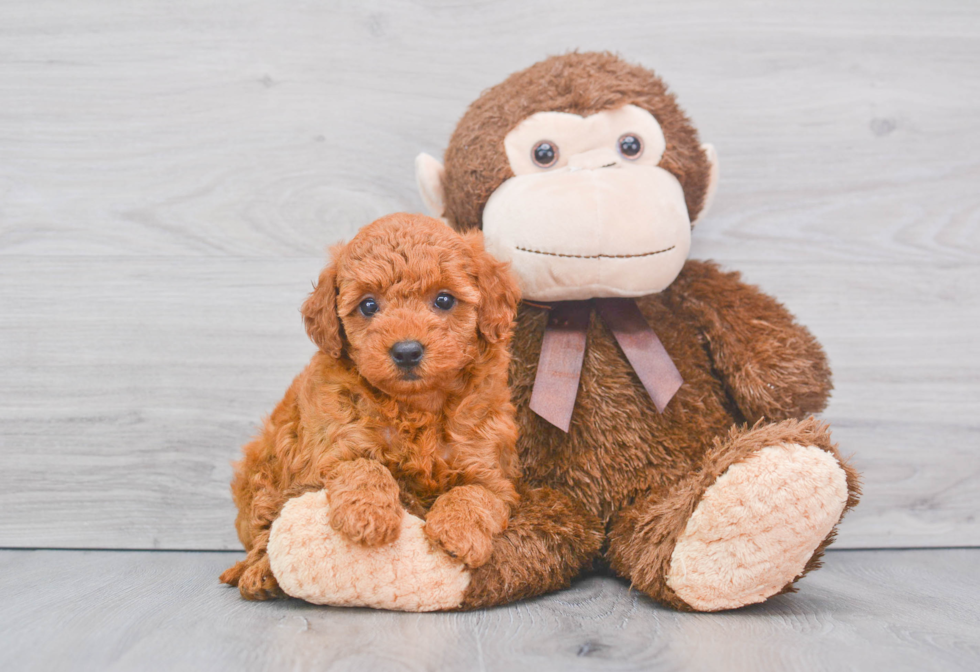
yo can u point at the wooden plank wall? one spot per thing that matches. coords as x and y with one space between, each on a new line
170 174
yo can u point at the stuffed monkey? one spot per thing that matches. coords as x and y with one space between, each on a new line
664 406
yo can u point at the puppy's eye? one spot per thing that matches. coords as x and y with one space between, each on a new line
368 307
630 146
545 154
445 301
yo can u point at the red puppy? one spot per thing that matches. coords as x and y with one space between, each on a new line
405 406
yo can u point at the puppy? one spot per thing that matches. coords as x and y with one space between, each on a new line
405 406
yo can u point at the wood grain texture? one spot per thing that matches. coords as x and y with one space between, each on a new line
130 383
170 176
866 610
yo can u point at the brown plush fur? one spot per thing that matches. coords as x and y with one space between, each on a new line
643 535
624 468
578 83
440 443
624 473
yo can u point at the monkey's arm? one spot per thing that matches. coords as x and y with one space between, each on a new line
549 540
773 367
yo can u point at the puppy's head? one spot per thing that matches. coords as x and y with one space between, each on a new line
410 300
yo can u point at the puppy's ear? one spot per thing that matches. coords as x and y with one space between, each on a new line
320 314
499 292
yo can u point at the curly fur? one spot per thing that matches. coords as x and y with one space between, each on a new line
440 444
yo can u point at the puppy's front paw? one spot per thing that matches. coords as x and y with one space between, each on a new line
258 583
314 563
463 522
457 534
366 519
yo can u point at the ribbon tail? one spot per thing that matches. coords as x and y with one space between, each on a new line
643 349
560 362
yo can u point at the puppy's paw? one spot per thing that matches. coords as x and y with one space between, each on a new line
313 562
456 533
463 522
257 582
365 518
233 573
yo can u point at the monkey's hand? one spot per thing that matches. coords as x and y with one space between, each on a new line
773 367
464 521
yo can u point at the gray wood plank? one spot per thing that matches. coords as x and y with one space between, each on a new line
845 132
867 610
170 177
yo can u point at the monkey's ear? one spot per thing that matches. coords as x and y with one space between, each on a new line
430 175
499 291
709 193
320 314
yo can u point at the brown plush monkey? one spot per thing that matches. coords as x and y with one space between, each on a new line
677 442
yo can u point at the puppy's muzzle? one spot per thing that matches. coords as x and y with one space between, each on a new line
407 354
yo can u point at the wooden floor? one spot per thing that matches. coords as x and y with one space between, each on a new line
888 610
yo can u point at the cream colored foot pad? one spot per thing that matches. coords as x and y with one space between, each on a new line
311 561
757 526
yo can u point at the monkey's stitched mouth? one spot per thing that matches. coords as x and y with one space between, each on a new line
596 256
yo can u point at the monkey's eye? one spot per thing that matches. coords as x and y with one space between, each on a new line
630 146
445 301
368 307
545 154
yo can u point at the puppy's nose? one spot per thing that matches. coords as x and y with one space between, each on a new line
407 354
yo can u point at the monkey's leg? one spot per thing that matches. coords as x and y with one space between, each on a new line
548 540
751 522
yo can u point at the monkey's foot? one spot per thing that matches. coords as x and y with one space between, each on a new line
757 526
314 562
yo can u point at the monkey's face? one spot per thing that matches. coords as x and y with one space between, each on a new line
589 211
